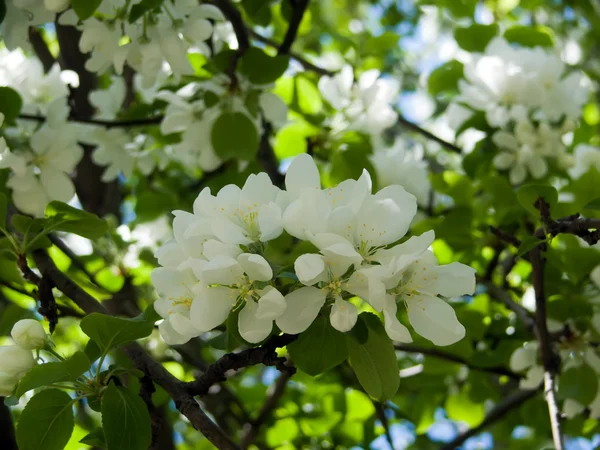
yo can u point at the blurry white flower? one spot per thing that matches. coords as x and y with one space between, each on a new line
29 334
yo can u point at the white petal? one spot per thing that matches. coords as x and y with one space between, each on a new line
310 269
270 222
258 190
58 185
415 246
524 357
211 307
517 174
301 174
271 304
434 319
343 315
572 408
228 232
451 280
303 306
222 270
534 378
171 282
367 284
183 325
538 167
308 213
255 266
170 335
252 328
394 329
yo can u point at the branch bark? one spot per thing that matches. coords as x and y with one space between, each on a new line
41 49
299 7
176 389
496 370
7 430
103 123
512 401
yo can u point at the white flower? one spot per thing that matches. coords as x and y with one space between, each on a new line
242 216
110 151
274 109
102 40
364 106
526 150
595 276
586 157
526 359
15 362
108 102
56 5
410 274
404 167
177 290
230 283
29 334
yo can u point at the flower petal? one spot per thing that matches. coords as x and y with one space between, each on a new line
343 315
271 304
255 266
303 306
310 269
252 328
434 319
451 280
394 329
302 173
270 222
211 307
222 270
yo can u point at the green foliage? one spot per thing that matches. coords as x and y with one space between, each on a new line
319 348
10 103
475 37
234 136
109 332
261 68
46 422
85 8
66 218
578 383
54 372
141 8
445 78
530 193
125 420
530 36
374 361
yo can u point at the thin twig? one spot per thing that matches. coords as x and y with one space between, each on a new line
436 353
290 36
505 298
380 412
429 135
509 403
253 427
104 123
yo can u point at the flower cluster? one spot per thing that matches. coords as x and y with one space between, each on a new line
217 262
529 98
41 170
193 110
363 106
17 360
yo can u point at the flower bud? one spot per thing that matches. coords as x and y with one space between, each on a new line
56 5
29 334
15 362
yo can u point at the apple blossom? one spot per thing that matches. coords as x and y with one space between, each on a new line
29 334
15 362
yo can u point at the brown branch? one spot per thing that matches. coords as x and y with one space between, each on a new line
253 427
550 359
41 49
429 135
232 14
510 402
299 7
265 354
267 158
436 353
380 412
176 389
7 430
103 123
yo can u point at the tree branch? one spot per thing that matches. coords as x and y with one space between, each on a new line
176 389
512 401
267 158
380 412
436 353
41 49
265 354
232 14
299 58
299 6
429 135
253 427
550 360
7 430
100 122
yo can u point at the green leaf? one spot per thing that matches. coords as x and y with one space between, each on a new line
46 422
444 79
261 68
594 204
459 8
529 36
11 314
141 8
475 37
150 205
109 332
221 62
529 243
125 420
461 407
73 220
10 103
380 45
3 210
92 351
374 362
94 439
578 383
85 8
54 372
234 135
259 11
528 195
319 348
